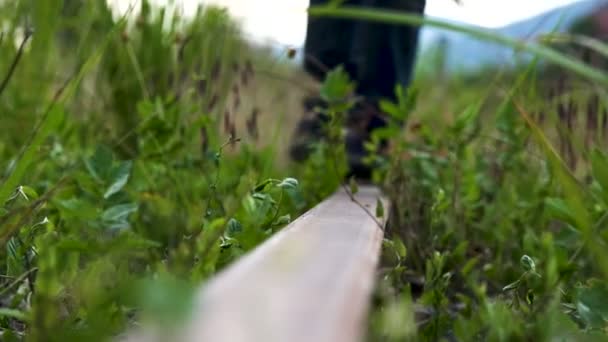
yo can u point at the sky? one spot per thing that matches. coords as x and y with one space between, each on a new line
284 21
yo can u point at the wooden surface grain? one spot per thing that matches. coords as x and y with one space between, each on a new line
311 281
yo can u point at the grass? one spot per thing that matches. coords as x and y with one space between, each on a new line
139 157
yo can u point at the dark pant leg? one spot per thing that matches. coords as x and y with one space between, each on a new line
404 42
384 55
377 56
328 43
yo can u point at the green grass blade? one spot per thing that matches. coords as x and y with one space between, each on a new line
16 314
48 125
584 41
574 193
50 121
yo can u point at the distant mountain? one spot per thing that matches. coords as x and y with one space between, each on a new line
465 53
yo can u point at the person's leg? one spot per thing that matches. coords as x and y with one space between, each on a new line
376 56
383 56
327 45
404 41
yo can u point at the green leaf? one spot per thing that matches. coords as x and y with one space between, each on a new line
512 286
78 208
262 186
407 98
117 225
166 300
234 227
400 247
28 193
379 208
337 86
120 177
99 164
527 263
406 101
263 197
11 336
212 231
469 265
14 260
592 304
391 109
289 183
558 208
119 212
283 220
12 313
467 118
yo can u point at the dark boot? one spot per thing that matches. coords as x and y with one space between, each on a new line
310 130
362 121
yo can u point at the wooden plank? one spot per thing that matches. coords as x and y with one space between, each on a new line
309 282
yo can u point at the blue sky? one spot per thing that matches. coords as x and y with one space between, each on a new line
284 21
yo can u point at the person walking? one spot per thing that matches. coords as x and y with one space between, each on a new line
376 56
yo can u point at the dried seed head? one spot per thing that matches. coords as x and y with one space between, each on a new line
415 127
249 67
593 106
215 71
244 78
227 123
572 108
561 111
124 36
237 103
204 140
233 139
213 102
252 124
181 53
291 53
139 23
201 86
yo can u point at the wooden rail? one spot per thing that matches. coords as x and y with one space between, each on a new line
309 282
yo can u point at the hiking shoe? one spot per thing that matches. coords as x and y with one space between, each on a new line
310 129
360 122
